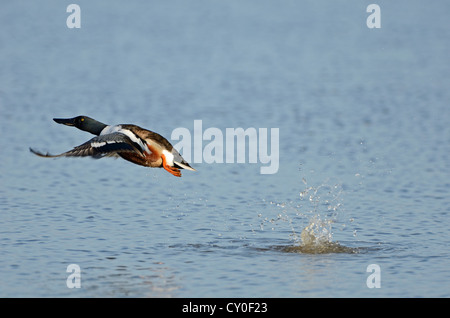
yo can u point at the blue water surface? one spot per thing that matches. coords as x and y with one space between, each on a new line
364 146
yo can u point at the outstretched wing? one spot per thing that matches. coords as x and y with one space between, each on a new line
99 147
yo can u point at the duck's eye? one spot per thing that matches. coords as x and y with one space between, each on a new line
82 119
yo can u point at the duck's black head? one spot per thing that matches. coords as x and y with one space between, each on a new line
84 123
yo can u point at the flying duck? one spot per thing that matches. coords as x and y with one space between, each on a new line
131 142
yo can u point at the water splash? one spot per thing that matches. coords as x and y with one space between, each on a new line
316 238
321 206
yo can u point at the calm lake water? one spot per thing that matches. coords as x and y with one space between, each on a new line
364 149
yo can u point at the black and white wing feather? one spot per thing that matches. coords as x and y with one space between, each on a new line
98 147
